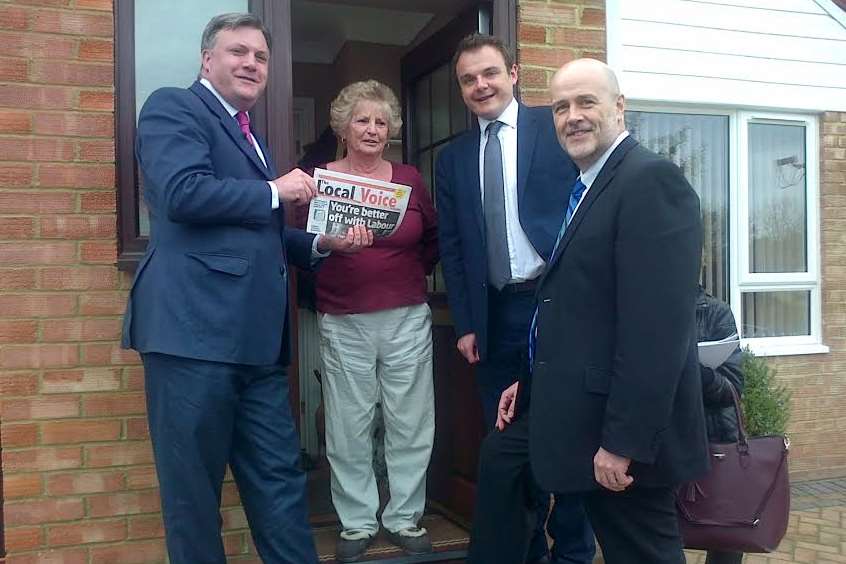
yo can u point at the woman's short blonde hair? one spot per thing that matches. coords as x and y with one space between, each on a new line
341 110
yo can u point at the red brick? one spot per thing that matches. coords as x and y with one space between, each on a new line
18 330
36 97
96 50
29 149
114 404
18 384
96 100
21 435
22 539
129 553
77 74
98 151
531 77
75 330
233 519
36 512
86 532
104 5
42 459
37 252
532 34
15 176
542 13
579 38
13 70
135 378
97 252
145 527
551 58
141 478
74 124
78 227
137 429
229 495
17 227
70 432
27 45
233 543
105 354
87 482
37 202
42 407
15 122
112 505
79 278
81 380
21 486
593 17
73 23
97 202
120 454
65 556
12 17
76 176
112 303
37 305
53 3
39 356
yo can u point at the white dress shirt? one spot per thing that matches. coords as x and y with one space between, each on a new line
526 263
589 176
274 193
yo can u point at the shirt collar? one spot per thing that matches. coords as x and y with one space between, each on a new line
589 175
508 117
226 105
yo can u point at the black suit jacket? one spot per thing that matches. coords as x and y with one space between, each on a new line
545 175
616 361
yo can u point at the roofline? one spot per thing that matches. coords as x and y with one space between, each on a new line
835 8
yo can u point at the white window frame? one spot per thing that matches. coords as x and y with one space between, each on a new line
741 280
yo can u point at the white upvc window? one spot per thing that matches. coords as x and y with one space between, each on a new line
757 176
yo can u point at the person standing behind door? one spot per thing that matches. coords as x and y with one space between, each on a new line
376 340
501 195
208 309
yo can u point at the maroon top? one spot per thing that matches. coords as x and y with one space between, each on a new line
391 273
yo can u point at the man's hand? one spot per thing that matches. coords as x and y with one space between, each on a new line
610 470
358 237
467 347
296 187
507 403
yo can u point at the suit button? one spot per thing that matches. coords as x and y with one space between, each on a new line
547 300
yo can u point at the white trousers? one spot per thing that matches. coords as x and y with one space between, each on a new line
384 356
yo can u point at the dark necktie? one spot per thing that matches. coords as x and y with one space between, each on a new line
244 124
499 261
575 196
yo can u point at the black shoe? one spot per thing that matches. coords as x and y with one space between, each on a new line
352 545
413 540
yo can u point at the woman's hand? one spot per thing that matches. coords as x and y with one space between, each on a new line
357 238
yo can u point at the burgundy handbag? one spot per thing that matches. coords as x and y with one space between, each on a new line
743 503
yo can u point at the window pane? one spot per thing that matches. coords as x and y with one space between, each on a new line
698 144
440 104
777 198
167 53
422 125
457 109
776 314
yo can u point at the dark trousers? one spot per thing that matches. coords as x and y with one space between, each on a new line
637 526
720 557
205 415
509 317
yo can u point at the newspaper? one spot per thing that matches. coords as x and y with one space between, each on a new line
344 200
714 353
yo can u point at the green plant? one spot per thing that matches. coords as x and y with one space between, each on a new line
766 403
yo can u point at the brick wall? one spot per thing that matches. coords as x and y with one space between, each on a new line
552 33
79 485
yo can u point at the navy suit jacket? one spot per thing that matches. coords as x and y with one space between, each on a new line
616 362
545 176
213 284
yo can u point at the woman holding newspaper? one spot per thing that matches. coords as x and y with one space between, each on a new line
376 339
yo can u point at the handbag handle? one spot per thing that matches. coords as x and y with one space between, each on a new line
742 442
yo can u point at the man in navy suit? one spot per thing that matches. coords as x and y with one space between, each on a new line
502 189
208 310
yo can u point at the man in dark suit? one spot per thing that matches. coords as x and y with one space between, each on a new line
209 306
501 194
615 409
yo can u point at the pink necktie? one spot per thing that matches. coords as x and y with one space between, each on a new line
244 123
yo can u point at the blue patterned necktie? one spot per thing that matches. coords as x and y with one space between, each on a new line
575 197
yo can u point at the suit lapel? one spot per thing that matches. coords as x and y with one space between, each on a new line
599 185
472 185
231 127
527 135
